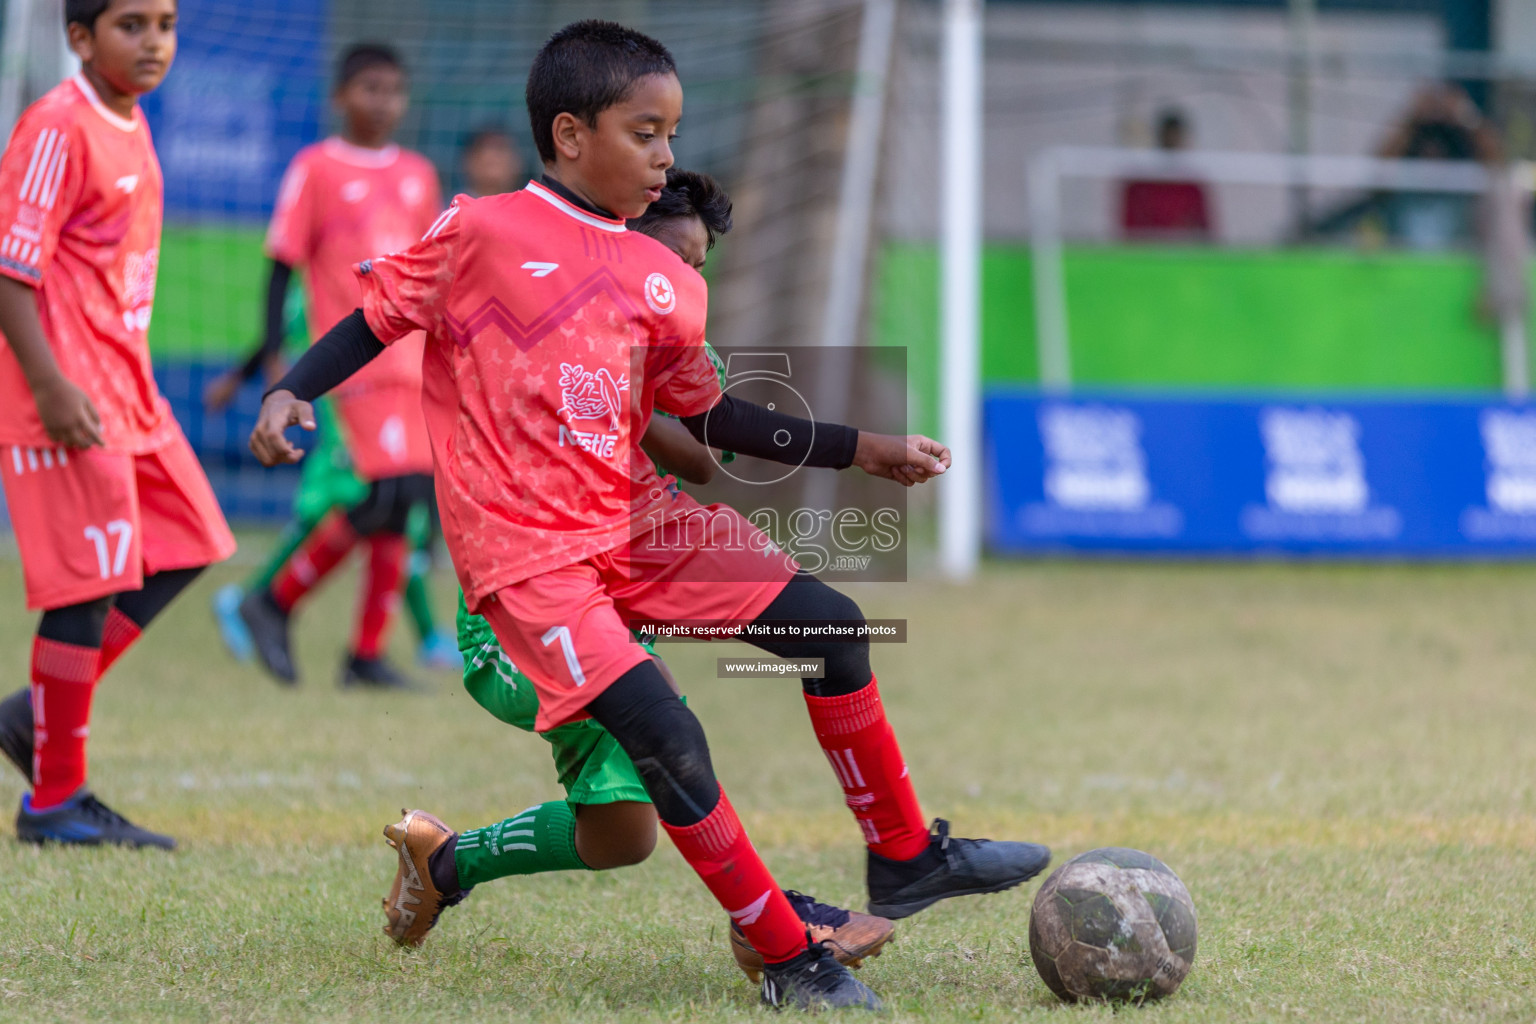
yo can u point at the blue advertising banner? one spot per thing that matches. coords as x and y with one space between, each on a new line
1431 478
246 91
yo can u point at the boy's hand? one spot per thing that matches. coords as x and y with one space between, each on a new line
222 390
280 411
67 414
909 460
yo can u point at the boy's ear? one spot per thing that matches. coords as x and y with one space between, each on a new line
82 41
569 132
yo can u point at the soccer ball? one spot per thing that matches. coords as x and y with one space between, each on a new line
1113 924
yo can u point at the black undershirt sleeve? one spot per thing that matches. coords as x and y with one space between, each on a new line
340 352
272 333
749 429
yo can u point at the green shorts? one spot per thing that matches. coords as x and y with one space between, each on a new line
589 762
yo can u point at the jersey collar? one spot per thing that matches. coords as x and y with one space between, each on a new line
117 121
361 156
567 203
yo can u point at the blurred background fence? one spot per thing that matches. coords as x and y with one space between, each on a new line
1170 221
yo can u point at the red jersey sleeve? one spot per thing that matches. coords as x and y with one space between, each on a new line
408 291
686 381
40 182
684 377
290 236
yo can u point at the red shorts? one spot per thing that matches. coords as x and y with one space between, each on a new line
568 629
92 523
386 432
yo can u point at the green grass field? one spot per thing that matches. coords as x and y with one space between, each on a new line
1338 761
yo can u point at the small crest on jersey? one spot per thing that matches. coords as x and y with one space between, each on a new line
659 294
412 191
354 190
127 183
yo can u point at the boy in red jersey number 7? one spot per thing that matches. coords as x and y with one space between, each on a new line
552 333
111 510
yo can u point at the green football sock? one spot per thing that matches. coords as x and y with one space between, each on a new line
542 838
416 599
295 533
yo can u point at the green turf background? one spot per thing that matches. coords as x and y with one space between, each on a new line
1144 316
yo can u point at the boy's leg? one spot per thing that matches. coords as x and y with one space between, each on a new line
265 612
909 869
167 526
76 521
382 519
606 814
562 630
66 659
435 647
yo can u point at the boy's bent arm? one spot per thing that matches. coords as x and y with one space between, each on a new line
223 389
67 413
750 429
341 352
669 443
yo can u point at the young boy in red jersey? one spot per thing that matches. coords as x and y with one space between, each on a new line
606 819
553 333
344 199
112 512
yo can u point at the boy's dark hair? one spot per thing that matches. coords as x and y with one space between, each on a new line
84 12
488 133
361 56
584 69
690 194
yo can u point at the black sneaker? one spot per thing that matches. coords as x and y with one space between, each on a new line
949 867
373 674
269 635
83 820
16 730
814 980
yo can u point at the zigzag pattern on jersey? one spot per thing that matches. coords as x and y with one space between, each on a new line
493 313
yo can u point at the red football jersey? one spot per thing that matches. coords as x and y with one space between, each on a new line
338 204
80 202
551 335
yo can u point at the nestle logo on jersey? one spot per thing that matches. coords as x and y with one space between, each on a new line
595 396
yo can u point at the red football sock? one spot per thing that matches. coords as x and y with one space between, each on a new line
119 634
317 556
63 679
719 850
381 594
861 746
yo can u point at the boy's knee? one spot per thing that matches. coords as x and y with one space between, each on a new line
616 835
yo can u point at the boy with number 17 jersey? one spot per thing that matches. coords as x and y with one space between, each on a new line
112 512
